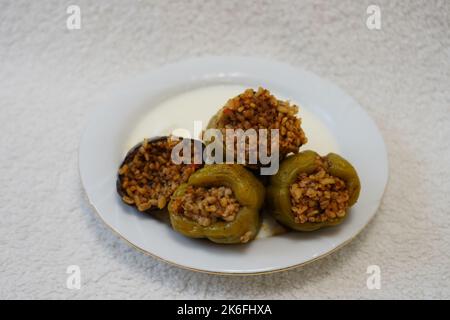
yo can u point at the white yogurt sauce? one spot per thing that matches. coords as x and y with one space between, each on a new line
181 110
177 115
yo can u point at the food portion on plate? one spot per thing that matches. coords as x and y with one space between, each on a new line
261 110
310 192
147 177
220 202
223 202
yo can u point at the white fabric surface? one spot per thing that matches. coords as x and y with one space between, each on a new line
51 78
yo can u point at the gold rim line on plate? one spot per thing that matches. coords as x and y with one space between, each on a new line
145 252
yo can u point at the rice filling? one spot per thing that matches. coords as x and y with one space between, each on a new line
261 110
149 177
207 205
318 197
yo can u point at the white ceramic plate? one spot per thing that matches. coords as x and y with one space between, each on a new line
173 97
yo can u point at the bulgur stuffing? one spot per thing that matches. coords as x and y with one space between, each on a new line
246 237
318 197
148 177
261 110
207 205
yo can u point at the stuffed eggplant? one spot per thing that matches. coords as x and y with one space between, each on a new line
148 176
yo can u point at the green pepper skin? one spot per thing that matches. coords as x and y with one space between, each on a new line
278 195
248 191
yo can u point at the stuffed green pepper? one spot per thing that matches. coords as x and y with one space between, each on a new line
220 202
252 111
310 192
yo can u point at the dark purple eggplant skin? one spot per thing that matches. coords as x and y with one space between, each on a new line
130 154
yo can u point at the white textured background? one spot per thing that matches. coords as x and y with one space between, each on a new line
51 78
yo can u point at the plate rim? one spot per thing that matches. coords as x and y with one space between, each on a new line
221 273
